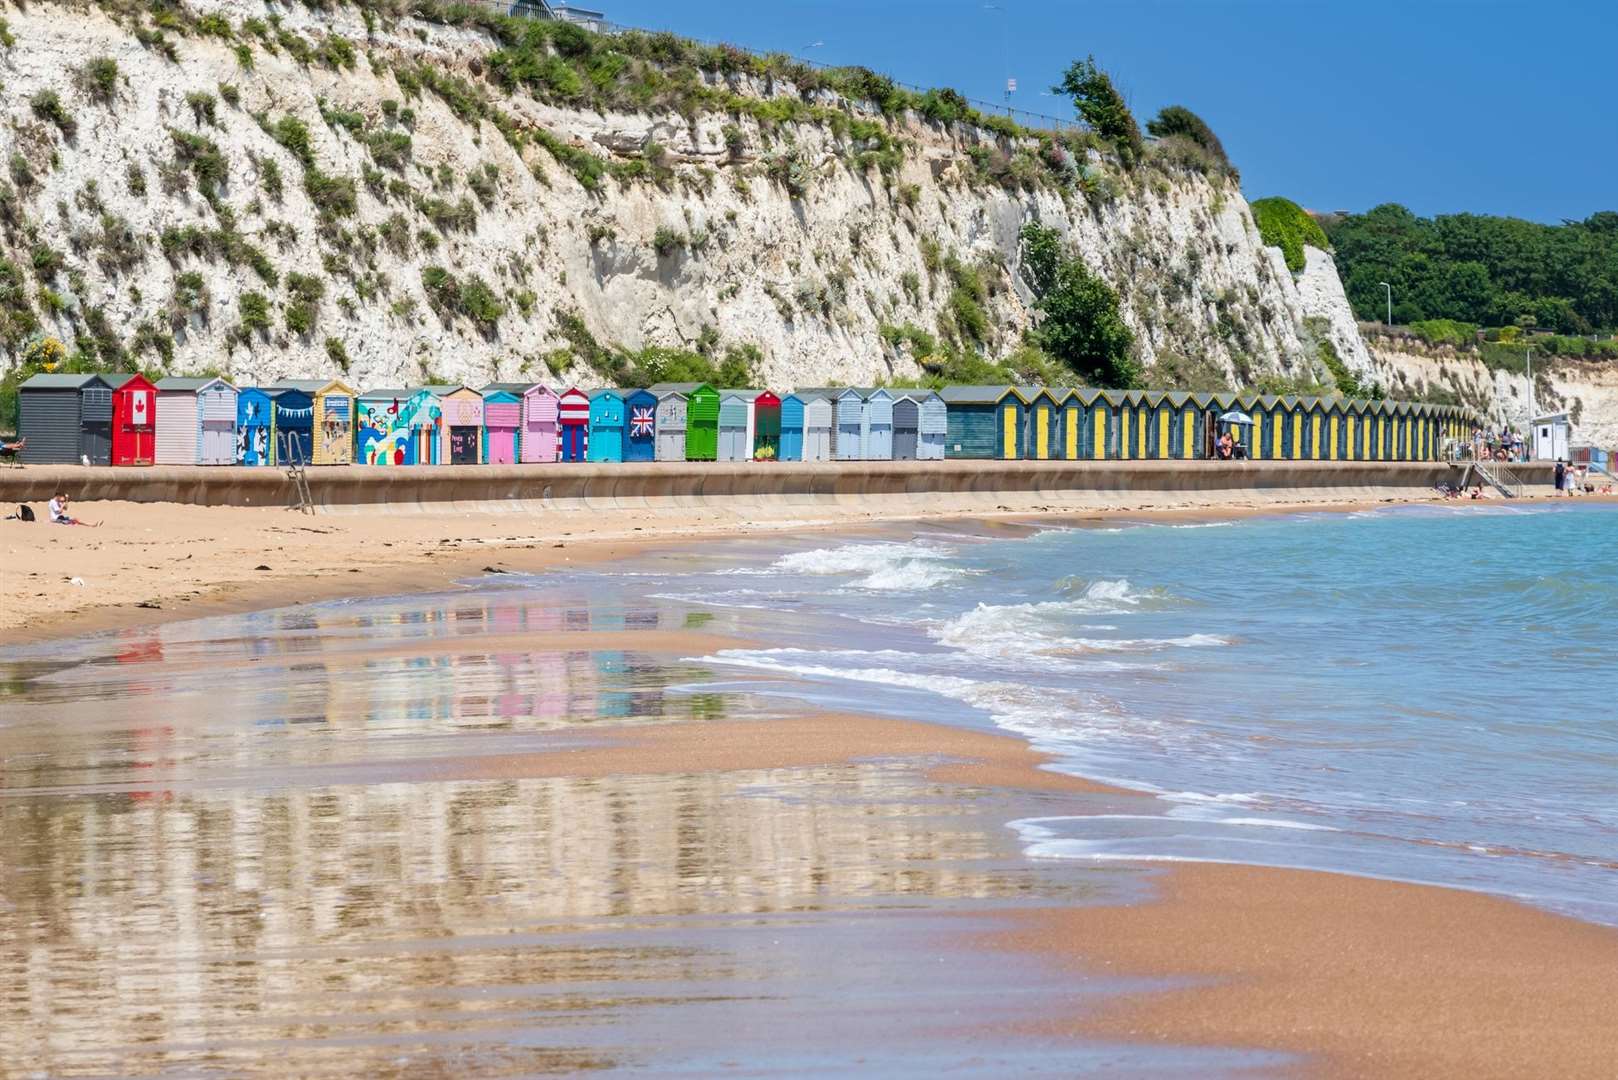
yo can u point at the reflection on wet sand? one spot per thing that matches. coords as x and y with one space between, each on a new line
212 862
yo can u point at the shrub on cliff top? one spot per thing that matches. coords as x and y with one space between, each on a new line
1179 122
1284 224
1102 106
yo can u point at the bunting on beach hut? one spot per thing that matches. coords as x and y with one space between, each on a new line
134 420
736 424
640 425
791 448
671 421
606 426
293 436
766 427
255 426
573 424
502 422
196 421
540 438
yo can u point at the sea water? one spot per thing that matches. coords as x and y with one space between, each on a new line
1423 694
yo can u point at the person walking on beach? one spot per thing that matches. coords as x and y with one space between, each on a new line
59 514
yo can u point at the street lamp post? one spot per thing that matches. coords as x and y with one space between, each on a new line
1533 426
1388 287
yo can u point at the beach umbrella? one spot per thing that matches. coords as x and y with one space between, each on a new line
1235 417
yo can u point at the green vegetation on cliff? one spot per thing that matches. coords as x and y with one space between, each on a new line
1478 269
1286 225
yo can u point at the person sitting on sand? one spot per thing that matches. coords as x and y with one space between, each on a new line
59 514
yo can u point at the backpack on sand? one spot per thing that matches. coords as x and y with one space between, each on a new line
25 512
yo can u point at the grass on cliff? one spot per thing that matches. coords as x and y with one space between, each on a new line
1284 224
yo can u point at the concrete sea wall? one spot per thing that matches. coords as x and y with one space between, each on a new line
878 485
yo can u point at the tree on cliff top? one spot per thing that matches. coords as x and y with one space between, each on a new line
1102 107
1079 323
1179 122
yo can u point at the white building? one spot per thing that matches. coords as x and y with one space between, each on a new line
1551 437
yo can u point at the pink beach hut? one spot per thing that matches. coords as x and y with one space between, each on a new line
539 412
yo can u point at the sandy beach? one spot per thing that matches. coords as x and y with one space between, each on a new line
1351 976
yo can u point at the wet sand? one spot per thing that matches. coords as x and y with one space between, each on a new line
1370 978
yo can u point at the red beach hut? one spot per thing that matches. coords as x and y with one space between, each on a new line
573 419
134 422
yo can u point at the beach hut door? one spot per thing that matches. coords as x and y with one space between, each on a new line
463 446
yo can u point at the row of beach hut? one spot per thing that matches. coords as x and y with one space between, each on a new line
128 420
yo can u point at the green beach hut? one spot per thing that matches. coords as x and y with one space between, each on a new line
701 418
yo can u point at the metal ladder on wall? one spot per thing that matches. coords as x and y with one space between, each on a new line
1498 476
297 472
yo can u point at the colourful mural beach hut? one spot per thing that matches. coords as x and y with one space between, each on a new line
606 441
766 427
134 420
255 426
671 411
541 436
572 424
736 424
819 425
54 418
640 425
502 421
984 422
334 424
196 421
791 446
398 426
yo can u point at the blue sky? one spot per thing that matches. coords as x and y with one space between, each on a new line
1443 105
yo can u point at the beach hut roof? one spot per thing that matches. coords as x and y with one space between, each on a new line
518 388
1178 398
745 395
680 387
386 392
666 393
188 382
118 379
607 391
444 389
308 386
975 395
66 381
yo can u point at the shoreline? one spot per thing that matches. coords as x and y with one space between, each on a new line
1349 971
238 559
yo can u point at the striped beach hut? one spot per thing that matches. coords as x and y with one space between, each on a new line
63 417
640 425
134 420
541 438
196 421
502 422
791 447
767 427
671 419
606 426
736 424
985 421
255 426
876 425
334 424
573 424
819 424
1040 442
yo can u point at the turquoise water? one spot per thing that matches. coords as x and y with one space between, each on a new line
1423 694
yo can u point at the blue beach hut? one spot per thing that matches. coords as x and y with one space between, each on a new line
984 422
606 442
849 444
791 428
640 425
1041 441
876 426
294 425
255 426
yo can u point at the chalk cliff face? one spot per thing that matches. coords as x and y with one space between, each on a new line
176 226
